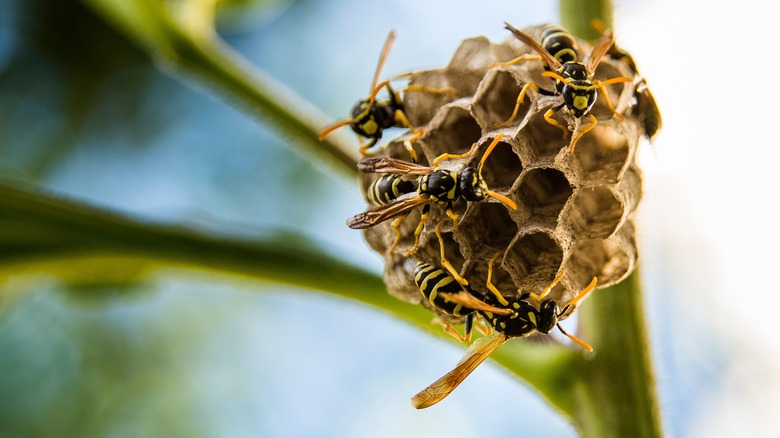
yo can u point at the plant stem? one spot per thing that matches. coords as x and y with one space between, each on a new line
577 16
614 394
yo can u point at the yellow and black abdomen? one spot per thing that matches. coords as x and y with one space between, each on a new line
559 43
387 188
432 282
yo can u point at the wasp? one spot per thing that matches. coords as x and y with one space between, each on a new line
434 186
524 320
574 80
370 117
646 106
451 294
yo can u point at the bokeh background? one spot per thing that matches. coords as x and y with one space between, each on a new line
183 353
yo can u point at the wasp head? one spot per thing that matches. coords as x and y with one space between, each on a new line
472 186
370 118
577 88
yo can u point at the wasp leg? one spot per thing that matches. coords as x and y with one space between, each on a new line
365 147
520 98
423 88
448 156
446 263
452 215
556 280
548 118
483 327
450 330
396 226
601 86
402 120
582 132
490 285
516 60
426 209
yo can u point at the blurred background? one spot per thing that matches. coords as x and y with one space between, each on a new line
178 353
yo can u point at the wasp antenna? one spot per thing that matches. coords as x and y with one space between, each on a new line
501 198
488 151
599 50
575 339
381 64
581 295
325 132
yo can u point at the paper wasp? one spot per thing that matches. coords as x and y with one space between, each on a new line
574 80
647 108
450 293
434 186
370 117
524 320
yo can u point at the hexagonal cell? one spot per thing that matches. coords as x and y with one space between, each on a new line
610 260
604 72
593 213
601 155
500 278
501 168
399 278
485 228
541 140
453 131
430 249
476 55
533 260
496 97
543 192
421 106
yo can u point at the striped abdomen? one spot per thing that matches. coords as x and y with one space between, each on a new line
432 281
559 43
387 188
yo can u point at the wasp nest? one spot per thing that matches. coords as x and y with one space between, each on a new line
574 210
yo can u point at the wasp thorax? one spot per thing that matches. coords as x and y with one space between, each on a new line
575 211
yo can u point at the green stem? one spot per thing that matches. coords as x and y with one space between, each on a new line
577 16
615 395
40 229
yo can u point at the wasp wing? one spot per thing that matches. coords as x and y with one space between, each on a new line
480 350
532 43
392 165
600 49
382 59
469 301
402 204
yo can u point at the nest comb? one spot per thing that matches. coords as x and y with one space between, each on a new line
575 210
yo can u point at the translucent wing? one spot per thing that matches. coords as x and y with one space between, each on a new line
382 59
471 302
527 39
480 350
377 215
392 165
600 49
